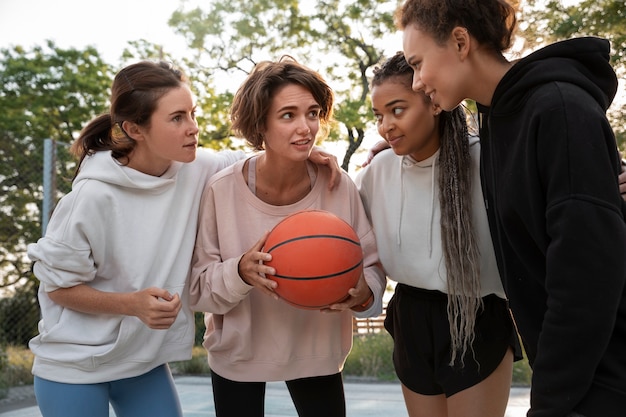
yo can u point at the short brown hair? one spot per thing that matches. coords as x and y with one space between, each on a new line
254 97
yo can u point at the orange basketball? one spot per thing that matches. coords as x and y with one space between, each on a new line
317 257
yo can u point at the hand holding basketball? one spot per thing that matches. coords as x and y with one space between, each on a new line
251 270
359 295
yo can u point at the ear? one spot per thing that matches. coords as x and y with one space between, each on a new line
133 130
436 110
461 39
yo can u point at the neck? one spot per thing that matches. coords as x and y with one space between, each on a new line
147 166
488 71
281 182
280 172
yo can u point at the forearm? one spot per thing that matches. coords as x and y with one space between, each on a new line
86 299
155 307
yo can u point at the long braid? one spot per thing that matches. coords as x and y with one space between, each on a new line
459 244
460 247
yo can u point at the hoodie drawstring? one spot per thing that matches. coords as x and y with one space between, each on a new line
406 163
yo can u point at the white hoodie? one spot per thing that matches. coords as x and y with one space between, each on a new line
118 230
401 197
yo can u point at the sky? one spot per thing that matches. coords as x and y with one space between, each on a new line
108 25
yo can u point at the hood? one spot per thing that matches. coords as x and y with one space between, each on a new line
101 166
582 61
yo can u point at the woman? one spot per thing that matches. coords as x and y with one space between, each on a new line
252 336
114 262
549 170
453 334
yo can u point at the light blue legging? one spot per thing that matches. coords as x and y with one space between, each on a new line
152 394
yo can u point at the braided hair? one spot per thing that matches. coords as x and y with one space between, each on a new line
460 246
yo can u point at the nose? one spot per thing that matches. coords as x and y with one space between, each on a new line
417 84
304 128
193 128
386 126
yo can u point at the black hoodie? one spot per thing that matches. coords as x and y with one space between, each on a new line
549 171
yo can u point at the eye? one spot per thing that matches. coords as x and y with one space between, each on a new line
314 114
415 65
378 117
397 111
288 115
177 118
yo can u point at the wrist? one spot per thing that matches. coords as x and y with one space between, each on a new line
365 305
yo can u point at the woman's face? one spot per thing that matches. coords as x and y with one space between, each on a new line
437 68
293 121
172 134
405 119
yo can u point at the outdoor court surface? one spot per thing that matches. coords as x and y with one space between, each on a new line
363 399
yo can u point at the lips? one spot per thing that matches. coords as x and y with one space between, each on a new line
301 142
394 140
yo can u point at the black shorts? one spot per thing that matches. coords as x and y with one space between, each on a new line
418 322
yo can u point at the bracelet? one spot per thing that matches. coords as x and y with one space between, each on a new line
365 305
369 301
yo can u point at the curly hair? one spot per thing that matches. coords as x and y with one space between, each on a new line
491 22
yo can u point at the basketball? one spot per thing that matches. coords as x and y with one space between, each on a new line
317 257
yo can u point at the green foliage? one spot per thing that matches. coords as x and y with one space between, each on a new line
48 92
4 367
200 327
371 356
20 313
345 38
197 365
15 367
550 21
522 374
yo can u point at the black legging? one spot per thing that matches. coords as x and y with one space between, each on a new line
313 397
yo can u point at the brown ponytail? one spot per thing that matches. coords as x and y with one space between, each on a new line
135 93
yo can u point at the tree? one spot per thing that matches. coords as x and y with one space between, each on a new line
548 21
343 39
212 106
48 93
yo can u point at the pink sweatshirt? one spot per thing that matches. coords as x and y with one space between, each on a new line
249 335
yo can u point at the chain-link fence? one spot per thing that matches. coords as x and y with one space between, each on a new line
32 178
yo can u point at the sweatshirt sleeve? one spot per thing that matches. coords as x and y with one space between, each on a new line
63 257
228 157
374 275
213 162
585 262
215 284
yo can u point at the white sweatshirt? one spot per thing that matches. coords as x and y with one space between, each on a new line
118 230
401 197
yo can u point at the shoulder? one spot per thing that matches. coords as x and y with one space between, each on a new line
383 160
227 175
214 161
383 157
558 95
